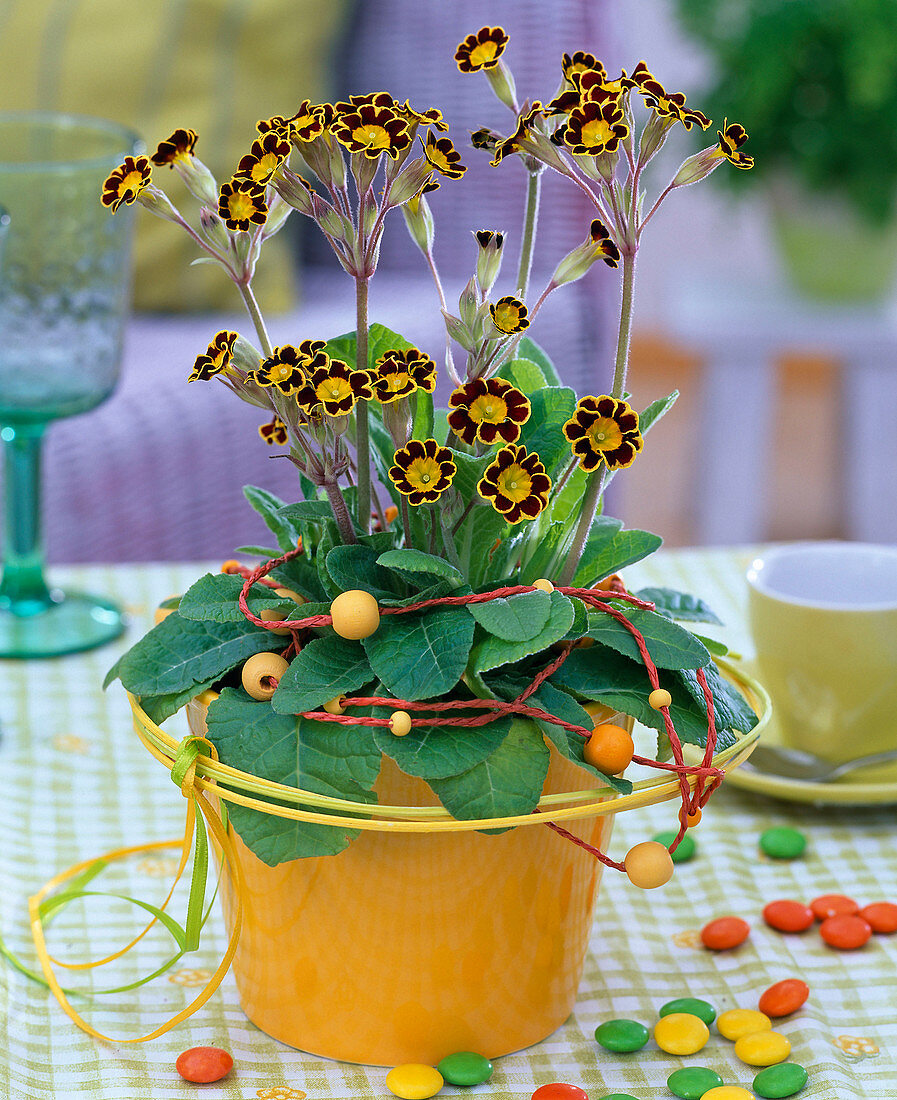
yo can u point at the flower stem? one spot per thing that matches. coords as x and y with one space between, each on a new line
406 521
255 313
448 541
340 511
362 441
530 222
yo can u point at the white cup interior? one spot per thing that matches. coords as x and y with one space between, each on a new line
848 576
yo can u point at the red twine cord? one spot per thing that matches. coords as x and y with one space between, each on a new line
707 778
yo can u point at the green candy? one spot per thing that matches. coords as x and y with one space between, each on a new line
692 1082
783 843
693 1007
684 852
785 1079
465 1068
622 1036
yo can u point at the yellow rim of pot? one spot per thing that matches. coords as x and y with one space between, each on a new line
227 783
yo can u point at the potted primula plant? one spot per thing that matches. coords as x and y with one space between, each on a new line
395 703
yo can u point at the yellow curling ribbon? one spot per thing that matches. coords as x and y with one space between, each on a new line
46 901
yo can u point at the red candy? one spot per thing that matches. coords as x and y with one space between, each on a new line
725 932
559 1090
203 1065
788 916
845 931
784 997
834 905
881 916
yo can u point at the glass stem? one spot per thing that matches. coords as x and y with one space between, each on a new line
23 589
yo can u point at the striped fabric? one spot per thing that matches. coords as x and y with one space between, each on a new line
74 783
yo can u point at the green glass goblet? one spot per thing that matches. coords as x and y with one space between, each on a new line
64 293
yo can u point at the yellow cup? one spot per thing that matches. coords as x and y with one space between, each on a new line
824 620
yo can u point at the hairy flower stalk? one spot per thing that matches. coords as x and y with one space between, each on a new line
530 224
362 435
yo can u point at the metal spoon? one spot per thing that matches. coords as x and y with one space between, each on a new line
795 764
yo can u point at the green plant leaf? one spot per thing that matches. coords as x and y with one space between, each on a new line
505 784
380 341
269 507
716 647
656 410
529 349
421 655
609 549
670 645
543 433
300 574
524 374
437 752
731 708
323 670
160 707
355 567
514 618
308 511
422 422
213 598
491 652
418 568
678 605
548 548
478 533
266 552
322 757
182 653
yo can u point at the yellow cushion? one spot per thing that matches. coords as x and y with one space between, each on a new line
215 66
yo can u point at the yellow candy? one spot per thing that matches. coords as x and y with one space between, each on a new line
681 1033
414 1081
764 1048
742 1021
728 1092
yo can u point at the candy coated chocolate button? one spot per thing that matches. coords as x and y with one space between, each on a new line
784 997
728 1092
777 1082
724 933
203 1065
846 932
465 1069
881 916
692 1005
414 1081
742 1021
833 905
764 1048
693 1082
680 1033
785 915
622 1036
684 852
782 843
560 1090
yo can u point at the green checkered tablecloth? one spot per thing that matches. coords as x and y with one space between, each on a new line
74 782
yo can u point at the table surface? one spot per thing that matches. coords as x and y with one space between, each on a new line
74 782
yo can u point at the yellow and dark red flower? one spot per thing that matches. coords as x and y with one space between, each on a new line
668 105
309 122
443 156
513 143
265 156
284 369
488 409
432 117
274 432
276 124
484 138
509 315
731 138
595 86
481 50
604 429
516 484
578 62
372 130
485 237
310 349
595 128
369 99
177 147
241 204
216 359
400 372
334 388
125 182
600 235
422 470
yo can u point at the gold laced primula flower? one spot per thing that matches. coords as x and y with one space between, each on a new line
443 156
481 50
265 156
372 130
514 142
432 117
241 204
335 388
595 128
509 315
125 183
488 409
399 373
731 138
484 138
601 237
179 146
284 369
309 122
274 432
276 124
216 359
668 105
422 470
516 484
572 65
604 429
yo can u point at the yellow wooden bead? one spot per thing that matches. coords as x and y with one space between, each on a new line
414 1081
681 1033
742 1021
763 1048
400 722
270 615
648 865
728 1092
289 594
336 706
355 614
659 697
543 585
258 672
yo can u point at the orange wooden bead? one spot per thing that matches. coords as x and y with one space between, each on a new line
609 749
694 818
648 865
400 723
271 615
659 697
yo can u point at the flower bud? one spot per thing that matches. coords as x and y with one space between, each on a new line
419 221
332 221
597 246
489 257
213 229
199 180
278 212
409 182
363 169
459 331
698 166
469 303
369 219
244 356
158 203
653 136
294 190
502 81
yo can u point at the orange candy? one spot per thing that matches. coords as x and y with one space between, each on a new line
881 916
788 916
203 1065
834 905
784 997
724 933
846 931
609 749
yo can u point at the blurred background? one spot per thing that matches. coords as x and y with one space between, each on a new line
766 297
